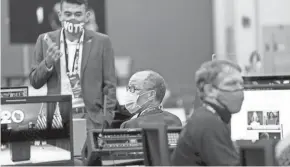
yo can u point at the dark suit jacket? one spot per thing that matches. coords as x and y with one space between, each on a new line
158 115
97 73
205 141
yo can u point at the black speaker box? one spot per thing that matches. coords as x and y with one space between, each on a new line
20 151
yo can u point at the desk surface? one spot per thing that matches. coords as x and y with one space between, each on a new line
118 162
39 154
78 161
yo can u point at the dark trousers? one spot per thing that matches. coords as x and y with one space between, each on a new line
82 113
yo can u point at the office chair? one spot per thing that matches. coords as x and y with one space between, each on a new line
155 144
259 153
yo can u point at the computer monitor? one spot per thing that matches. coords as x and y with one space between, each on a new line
155 147
36 131
267 80
260 153
14 91
43 18
264 113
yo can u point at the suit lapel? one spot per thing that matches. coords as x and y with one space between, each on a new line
87 45
55 37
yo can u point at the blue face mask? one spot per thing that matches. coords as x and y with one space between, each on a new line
231 100
132 103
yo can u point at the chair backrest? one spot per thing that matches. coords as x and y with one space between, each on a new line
259 153
283 151
155 144
179 112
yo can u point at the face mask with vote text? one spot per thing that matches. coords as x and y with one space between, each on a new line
73 26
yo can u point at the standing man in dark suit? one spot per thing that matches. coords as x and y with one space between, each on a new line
77 62
145 92
206 138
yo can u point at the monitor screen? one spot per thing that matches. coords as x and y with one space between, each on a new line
39 127
14 91
264 113
40 16
267 80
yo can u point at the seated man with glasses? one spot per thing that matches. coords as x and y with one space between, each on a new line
145 92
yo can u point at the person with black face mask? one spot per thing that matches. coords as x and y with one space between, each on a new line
78 62
206 138
145 92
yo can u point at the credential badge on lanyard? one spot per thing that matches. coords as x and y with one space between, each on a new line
73 75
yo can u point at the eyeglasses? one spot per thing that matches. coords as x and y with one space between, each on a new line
240 88
132 89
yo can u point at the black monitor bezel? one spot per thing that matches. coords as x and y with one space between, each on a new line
47 99
268 146
17 87
249 87
266 78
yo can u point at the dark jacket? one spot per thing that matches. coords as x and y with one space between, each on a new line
156 115
121 115
205 141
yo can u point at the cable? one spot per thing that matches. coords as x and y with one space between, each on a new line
105 92
104 113
101 142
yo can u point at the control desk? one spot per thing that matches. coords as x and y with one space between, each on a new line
120 144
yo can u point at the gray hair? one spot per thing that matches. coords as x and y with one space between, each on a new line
209 71
157 83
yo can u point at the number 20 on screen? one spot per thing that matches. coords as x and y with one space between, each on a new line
8 117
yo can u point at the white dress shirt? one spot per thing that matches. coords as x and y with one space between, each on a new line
65 82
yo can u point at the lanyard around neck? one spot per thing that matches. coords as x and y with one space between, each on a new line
77 52
210 108
150 109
